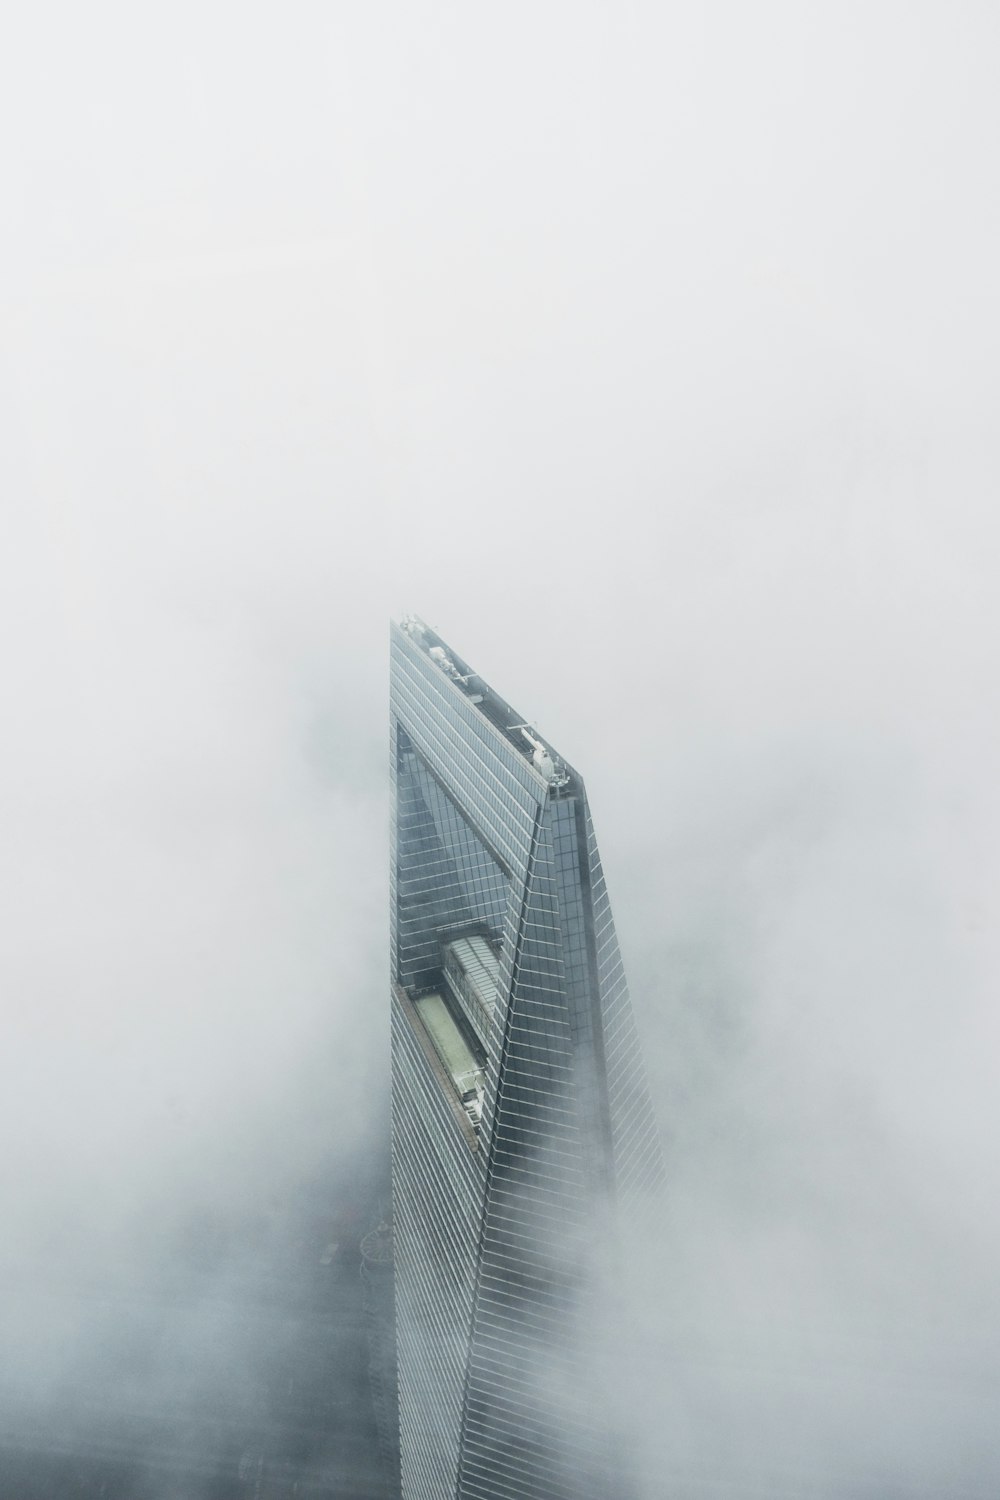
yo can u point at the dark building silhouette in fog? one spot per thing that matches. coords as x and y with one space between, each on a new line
521 1120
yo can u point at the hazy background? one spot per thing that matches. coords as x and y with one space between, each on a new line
650 353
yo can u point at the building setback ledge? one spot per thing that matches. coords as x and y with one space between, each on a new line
437 1067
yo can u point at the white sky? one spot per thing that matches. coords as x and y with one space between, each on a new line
650 353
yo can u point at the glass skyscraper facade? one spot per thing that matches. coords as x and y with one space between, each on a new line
521 1121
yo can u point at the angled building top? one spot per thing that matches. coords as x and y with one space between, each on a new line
554 771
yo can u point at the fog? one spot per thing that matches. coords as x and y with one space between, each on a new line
650 353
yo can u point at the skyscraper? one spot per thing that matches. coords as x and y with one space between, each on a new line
521 1121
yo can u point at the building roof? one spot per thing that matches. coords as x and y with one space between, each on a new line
452 1048
489 703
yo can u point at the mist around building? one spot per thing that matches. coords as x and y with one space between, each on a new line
650 353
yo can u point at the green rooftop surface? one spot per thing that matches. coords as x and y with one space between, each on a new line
452 1048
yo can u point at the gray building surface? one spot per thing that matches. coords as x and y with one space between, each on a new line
521 1121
